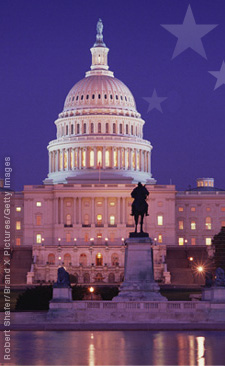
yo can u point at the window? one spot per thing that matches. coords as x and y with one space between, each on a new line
99 127
107 128
160 220
132 130
99 203
86 219
51 258
18 241
68 220
93 96
159 204
99 259
112 220
193 209
87 96
85 128
160 240
193 241
78 128
38 238
38 204
208 241
92 127
114 128
67 259
208 223
68 237
111 278
18 209
180 209
181 241
71 129
107 158
99 220
193 225
99 157
181 225
127 129
83 259
68 203
18 225
91 158
121 128
67 129
115 259
86 237
111 203
105 96
99 96
38 220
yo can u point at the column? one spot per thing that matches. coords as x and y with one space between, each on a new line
149 163
56 209
76 158
49 162
142 161
69 159
62 159
85 161
106 210
136 152
113 165
79 158
118 210
118 158
75 210
130 158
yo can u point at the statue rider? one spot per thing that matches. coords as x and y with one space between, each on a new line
140 193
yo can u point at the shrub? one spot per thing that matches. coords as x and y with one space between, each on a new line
35 298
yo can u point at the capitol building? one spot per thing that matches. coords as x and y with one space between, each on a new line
81 215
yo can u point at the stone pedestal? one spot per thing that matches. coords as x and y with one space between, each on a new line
62 294
139 284
214 294
30 276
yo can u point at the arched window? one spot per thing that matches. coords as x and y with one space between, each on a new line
83 158
86 219
99 220
114 128
115 259
111 278
84 128
86 278
67 259
208 223
127 129
65 159
132 130
51 258
78 128
107 158
92 127
68 220
112 220
121 128
107 128
99 157
71 129
92 159
99 127
38 239
83 259
99 259
98 277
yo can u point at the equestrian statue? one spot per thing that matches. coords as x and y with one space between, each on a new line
139 205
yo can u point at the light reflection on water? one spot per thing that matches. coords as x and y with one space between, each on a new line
117 348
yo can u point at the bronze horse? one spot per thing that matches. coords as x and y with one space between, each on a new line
139 206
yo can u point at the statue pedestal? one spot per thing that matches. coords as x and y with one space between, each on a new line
139 284
62 294
214 294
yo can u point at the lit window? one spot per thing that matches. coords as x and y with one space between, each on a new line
112 203
112 220
68 237
83 259
99 203
86 237
18 225
180 209
68 220
107 161
18 209
67 259
208 209
208 223
208 241
115 158
160 220
75 159
181 241
193 225
223 209
133 159
99 235
99 157
38 220
181 225
99 259
83 158
38 204
86 219
91 158
160 240
193 241
99 219
38 238
114 259
193 209
18 241
65 160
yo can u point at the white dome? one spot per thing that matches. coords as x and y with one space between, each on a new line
99 91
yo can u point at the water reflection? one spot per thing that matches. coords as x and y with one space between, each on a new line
117 348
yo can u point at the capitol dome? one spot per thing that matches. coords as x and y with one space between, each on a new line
99 131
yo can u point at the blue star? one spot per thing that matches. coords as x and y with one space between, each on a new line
154 102
189 34
220 75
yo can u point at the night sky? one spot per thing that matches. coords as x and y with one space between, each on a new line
44 47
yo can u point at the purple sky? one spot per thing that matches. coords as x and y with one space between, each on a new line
44 47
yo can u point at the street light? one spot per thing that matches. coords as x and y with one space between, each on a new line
200 269
191 259
91 290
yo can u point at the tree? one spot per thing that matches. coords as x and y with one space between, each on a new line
219 247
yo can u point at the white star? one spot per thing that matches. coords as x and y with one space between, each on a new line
220 75
189 34
154 102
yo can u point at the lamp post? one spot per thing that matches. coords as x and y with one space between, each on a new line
91 290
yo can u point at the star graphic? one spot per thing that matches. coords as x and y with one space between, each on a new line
220 75
189 34
154 102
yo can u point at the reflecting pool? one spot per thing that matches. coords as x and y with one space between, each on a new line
117 348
